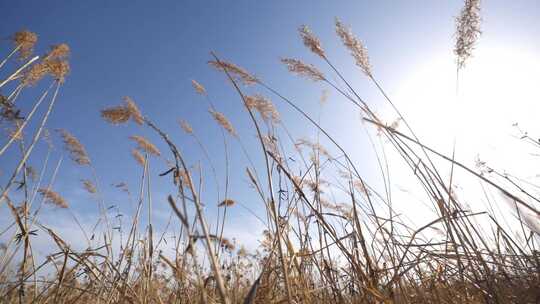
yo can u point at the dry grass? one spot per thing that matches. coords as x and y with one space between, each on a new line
315 249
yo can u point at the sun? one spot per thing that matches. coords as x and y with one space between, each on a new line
477 107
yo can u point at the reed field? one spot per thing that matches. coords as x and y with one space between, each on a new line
316 247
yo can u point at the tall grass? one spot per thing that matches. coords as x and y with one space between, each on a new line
315 249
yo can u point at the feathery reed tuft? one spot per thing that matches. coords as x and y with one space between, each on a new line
116 115
138 157
75 148
263 106
145 145
58 51
311 41
302 69
25 41
223 122
467 31
53 198
133 110
89 186
358 50
236 72
186 126
198 87
226 202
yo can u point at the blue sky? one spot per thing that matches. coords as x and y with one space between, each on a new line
151 51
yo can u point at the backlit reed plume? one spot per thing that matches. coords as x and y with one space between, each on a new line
134 110
75 148
223 121
236 72
467 31
138 157
89 186
186 127
145 145
358 50
25 41
198 87
226 202
123 113
53 198
58 69
58 51
311 41
54 63
116 115
305 70
263 106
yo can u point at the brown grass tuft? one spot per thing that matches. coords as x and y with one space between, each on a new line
236 72
358 50
75 148
311 41
223 122
138 157
306 70
53 198
145 145
467 31
198 87
25 40
226 202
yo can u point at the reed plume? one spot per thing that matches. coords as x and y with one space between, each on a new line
133 110
138 157
264 106
75 148
223 122
226 202
302 69
25 41
53 198
145 145
198 87
89 186
116 115
236 72
355 46
467 31
311 41
186 126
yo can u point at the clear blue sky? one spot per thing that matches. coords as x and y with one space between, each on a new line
151 50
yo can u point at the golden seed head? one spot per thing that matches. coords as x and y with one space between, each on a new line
75 148
145 145
198 87
133 110
58 51
186 126
235 71
116 115
226 202
53 198
263 106
25 40
467 31
36 72
223 122
306 70
311 41
355 46
138 157
89 186
57 68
